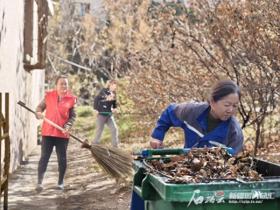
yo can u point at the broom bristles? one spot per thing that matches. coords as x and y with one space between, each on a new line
114 161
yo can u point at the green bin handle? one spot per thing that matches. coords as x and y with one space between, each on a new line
150 152
145 190
138 190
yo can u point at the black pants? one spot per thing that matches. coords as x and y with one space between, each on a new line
48 142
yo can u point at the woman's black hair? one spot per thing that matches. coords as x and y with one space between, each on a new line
61 76
224 88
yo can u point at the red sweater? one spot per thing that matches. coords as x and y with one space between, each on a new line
58 112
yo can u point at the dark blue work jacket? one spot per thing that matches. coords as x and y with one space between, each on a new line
192 118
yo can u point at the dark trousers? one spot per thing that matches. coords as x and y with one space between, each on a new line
48 142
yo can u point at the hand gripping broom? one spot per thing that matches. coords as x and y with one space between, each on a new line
115 162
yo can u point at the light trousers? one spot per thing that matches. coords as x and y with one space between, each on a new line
110 122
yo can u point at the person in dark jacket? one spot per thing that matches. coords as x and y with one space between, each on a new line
204 124
105 104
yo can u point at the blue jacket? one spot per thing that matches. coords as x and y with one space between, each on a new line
195 115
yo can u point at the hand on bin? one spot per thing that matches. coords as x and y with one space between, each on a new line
156 144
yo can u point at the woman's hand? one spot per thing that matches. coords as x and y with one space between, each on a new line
39 115
110 97
67 129
156 144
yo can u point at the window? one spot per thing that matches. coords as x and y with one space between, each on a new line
35 34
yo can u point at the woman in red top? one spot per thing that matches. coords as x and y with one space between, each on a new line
58 105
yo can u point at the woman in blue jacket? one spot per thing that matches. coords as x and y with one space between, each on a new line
203 123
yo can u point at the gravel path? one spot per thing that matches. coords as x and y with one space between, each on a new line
86 186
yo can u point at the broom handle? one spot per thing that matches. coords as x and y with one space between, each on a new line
50 122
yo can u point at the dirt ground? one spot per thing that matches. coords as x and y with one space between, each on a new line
86 186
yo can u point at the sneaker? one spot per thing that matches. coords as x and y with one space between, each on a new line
60 186
39 187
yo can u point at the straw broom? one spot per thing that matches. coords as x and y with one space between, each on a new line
114 161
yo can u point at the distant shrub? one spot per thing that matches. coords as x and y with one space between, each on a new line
84 111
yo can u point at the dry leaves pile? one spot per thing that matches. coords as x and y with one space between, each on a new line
205 165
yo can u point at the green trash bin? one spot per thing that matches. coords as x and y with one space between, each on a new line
222 195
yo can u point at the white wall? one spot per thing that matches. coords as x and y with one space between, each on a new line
20 84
